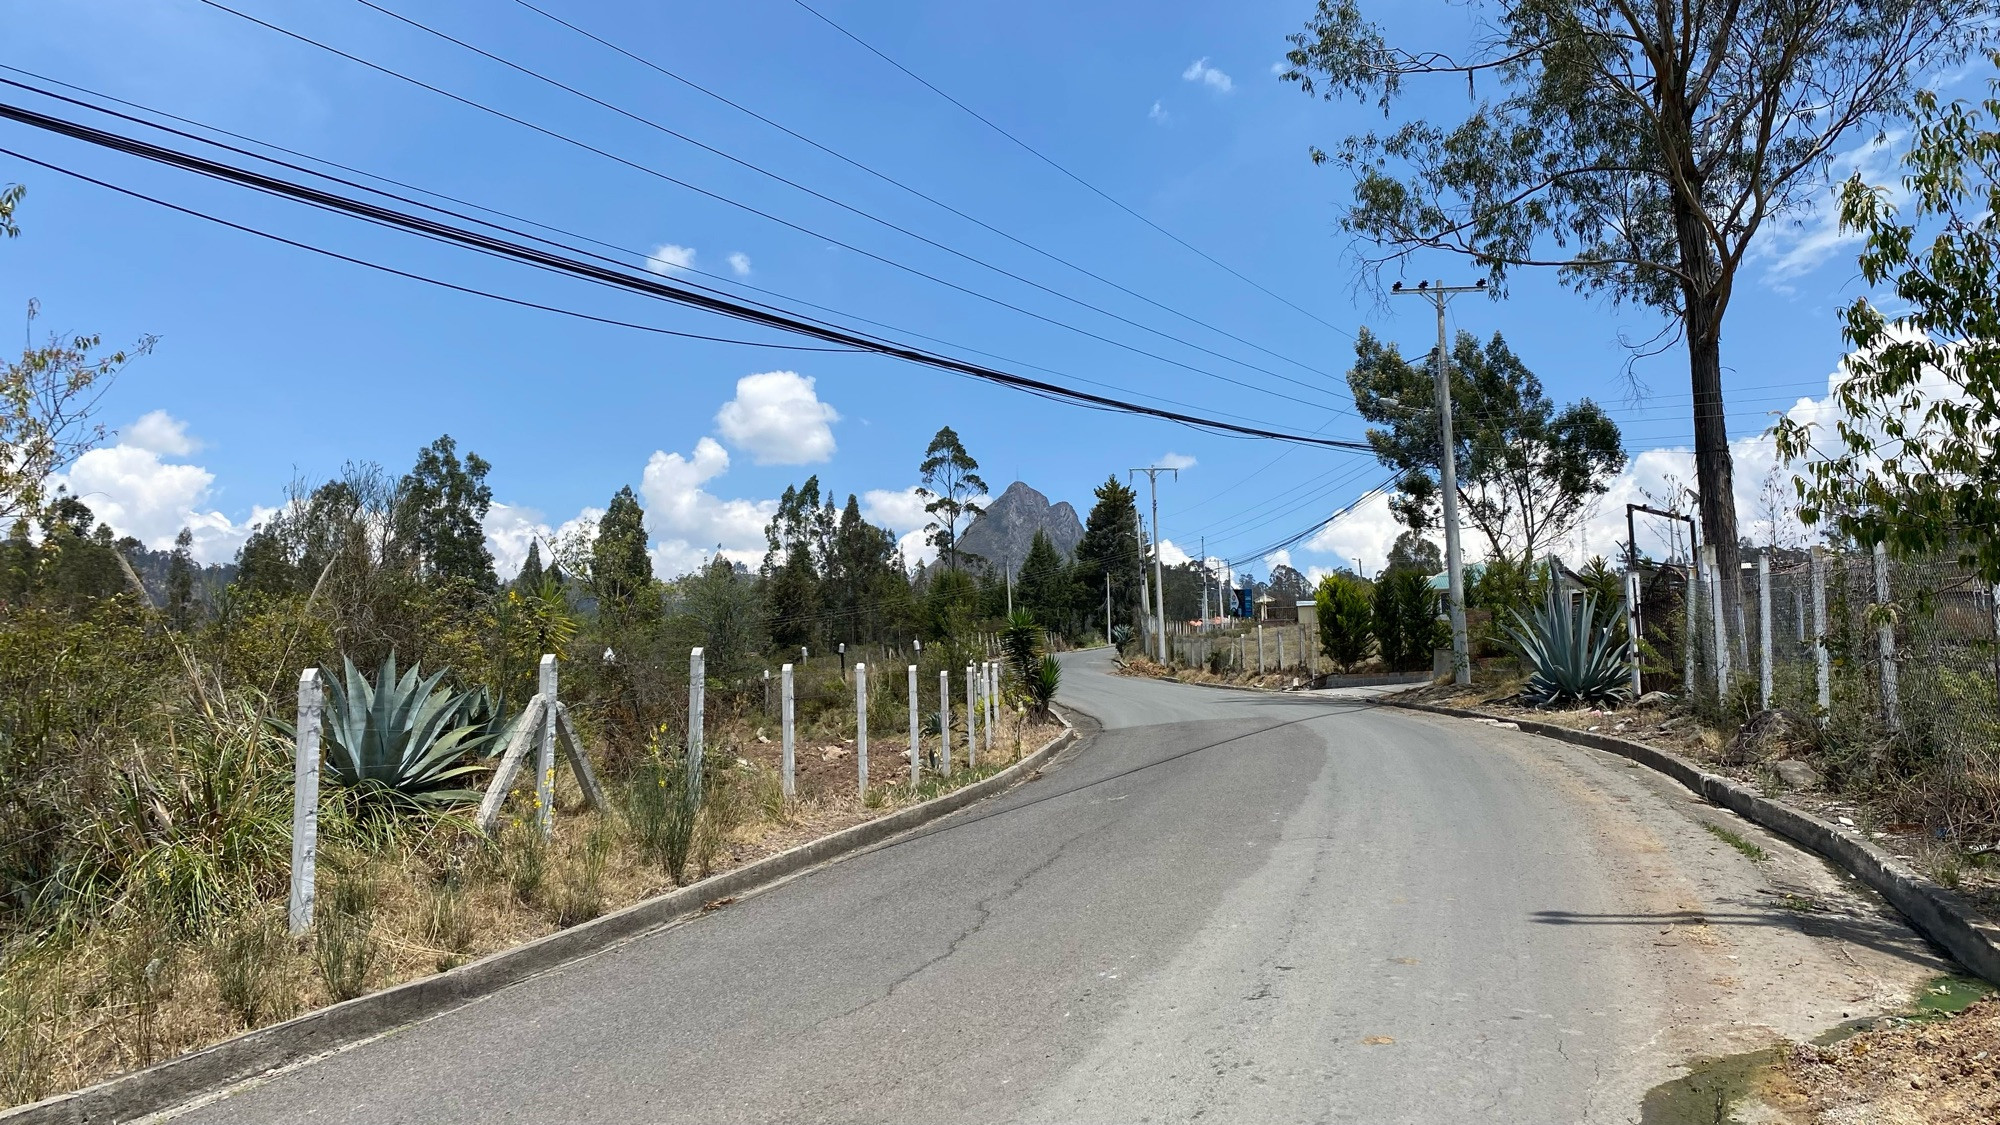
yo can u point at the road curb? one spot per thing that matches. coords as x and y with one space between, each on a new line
1936 912
177 1081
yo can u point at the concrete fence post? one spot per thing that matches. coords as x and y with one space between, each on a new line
1885 635
991 683
545 753
944 722
1691 595
1632 630
971 720
916 759
1822 658
697 693
861 726
1764 630
786 760
1281 649
305 801
1719 642
1260 648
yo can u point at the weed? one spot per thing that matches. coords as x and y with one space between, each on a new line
661 815
142 970
579 889
344 944
245 957
1734 840
31 991
448 924
524 856
1947 871
1799 904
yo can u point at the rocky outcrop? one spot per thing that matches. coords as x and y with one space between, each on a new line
1001 534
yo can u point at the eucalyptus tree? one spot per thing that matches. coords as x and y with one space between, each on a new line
1637 149
951 486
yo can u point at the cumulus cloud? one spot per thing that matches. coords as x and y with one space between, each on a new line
1200 71
688 522
1279 558
1171 555
1175 461
898 510
1158 113
1280 67
1361 537
160 433
132 488
779 418
668 258
739 264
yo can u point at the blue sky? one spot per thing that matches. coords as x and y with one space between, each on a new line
275 363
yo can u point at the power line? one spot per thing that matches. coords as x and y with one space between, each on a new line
1092 188
899 184
649 286
738 204
514 218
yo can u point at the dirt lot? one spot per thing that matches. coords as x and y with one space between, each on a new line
1927 1072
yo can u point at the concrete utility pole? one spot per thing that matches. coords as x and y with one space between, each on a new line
1204 583
1439 294
1107 605
1153 478
1007 568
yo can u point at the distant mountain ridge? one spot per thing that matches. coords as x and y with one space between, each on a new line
1002 533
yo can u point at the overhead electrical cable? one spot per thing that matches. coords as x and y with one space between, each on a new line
522 234
740 205
899 184
1087 185
651 286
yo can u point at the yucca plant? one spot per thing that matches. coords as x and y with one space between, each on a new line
402 737
1021 639
1576 660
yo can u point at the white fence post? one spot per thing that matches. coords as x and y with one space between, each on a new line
1281 649
1822 659
861 725
697 692
1764 630
971 720
785 758
305 801
990 685
1885 634
916 759
1691 595
1260 648
944 722
1632 630
545 753
1719 643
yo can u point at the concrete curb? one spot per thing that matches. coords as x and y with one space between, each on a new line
177 1081
1935 911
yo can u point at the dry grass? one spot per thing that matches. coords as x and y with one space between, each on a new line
79 1006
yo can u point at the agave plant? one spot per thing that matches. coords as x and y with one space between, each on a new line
1043 684
486 709
402 737
1021 639
1575 659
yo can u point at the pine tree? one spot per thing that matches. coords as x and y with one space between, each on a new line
621 570
530 578
1043 586
1110 546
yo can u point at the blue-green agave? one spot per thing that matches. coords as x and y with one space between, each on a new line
1575 659
402 736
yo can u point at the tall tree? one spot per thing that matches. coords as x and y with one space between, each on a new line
1412 551
621 569
530 578
860 575
951 484
1636 148
799 536
1043 585
1526 471
1110 549
48 406
1289 586
180 581
1913 461
442 512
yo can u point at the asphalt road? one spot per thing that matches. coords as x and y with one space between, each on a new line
1222 907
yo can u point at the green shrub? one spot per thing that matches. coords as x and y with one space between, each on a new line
1346 619
245 957
1407 627
661 812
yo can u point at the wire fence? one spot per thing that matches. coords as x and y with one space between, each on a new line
1893 658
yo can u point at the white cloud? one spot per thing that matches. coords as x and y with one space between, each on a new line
1279 558
916 547
1280 67
739 264
1171 555
1795 248
1158 113
778 417
133 490
1363 536
668 258
160 433
898 511
688 522
1200 71
1177 461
